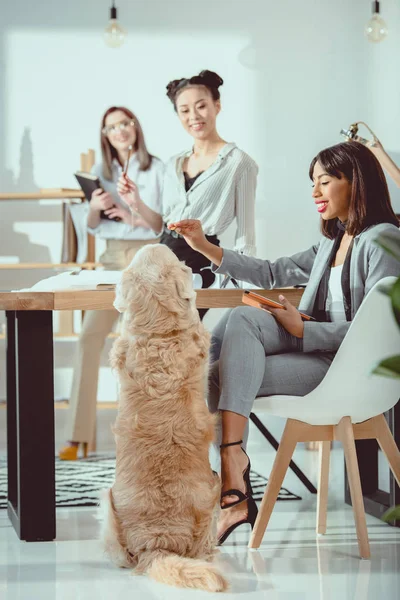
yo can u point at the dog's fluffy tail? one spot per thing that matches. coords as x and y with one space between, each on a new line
180 571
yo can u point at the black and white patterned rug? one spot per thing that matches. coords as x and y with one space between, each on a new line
79 482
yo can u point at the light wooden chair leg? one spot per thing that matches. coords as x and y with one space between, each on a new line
66 322
323 484
313 446
345 434
91 248
280 466
388 445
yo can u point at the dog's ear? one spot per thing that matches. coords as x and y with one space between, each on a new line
124 290
183 282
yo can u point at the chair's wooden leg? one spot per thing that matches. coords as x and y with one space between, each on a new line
344 431
323 483
66 322
91 248
280 466
313 446
388 445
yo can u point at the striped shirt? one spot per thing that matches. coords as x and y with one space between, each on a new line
150 185
225 191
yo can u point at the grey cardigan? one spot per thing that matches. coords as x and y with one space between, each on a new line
369 263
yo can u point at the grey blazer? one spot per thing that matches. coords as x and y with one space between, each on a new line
369 263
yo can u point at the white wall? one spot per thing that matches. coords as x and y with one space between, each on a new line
295 74
383 110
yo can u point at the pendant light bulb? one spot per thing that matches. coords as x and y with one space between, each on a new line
376 29
114 34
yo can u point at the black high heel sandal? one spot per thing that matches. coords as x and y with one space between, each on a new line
252 509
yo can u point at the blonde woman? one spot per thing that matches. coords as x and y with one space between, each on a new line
124 233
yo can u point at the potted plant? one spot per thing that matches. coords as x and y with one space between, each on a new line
390 367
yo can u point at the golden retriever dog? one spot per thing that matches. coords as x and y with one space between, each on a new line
160 515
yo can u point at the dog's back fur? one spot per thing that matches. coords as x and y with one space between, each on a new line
162 509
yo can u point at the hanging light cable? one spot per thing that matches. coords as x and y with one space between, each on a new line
376 29
114 34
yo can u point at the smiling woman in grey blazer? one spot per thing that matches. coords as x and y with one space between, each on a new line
259 354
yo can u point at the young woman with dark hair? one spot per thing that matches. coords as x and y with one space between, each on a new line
214 182
261 354
124 233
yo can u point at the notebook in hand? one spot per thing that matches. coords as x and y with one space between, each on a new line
257 301
89 183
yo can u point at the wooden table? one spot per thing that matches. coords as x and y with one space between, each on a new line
30 394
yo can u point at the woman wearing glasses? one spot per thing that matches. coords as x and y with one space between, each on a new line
124 233
214 182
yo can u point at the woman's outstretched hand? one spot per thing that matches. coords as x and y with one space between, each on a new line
192 231
289 317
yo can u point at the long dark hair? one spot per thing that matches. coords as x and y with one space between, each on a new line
108 151
370 200
209 79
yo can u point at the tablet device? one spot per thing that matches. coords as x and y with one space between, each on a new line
257 301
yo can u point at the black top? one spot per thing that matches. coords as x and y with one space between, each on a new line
189 181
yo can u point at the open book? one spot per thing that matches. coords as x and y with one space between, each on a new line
89 183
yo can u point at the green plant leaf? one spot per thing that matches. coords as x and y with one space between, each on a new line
395 297
385 289
390 367
390 243
393 514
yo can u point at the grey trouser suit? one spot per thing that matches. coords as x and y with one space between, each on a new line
253 355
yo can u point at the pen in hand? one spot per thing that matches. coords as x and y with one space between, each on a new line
130 148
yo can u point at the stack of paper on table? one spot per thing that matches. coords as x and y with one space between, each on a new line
89 280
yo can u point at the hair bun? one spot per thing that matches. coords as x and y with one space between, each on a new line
207 78
172 87
211 79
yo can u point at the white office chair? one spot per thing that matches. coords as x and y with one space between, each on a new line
348 404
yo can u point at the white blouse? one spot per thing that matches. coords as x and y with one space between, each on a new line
225 191
150 184
334 301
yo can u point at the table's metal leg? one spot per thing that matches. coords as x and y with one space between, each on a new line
12 451
30 424
274 443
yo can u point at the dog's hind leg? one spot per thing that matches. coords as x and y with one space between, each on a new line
111 535
205 533
205 539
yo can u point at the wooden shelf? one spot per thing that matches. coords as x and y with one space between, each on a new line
43 195
64 404
72 265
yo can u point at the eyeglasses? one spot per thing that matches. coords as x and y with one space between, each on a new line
111 129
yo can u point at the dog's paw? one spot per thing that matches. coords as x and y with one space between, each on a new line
210 556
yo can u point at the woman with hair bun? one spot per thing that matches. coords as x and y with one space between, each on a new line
214 182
